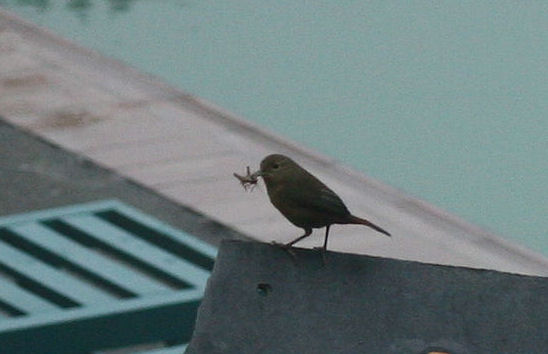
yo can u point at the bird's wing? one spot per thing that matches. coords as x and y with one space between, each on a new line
320 198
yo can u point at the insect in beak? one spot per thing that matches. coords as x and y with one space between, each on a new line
250 179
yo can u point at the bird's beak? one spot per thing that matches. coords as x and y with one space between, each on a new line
257 174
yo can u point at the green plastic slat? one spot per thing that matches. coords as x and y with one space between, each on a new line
84 330
176 234
50 277
122 240
67 270
172 242
24 300
96 262
106 309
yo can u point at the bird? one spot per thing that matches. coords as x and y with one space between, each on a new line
305 200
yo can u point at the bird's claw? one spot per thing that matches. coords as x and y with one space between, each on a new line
323 252
286 247
281 245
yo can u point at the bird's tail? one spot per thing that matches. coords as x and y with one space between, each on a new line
356 220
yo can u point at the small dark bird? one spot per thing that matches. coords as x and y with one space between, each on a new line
303 199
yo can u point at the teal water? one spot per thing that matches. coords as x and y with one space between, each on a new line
445 100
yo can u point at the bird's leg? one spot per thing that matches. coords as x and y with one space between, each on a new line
323 249
307 233
289 245
326 236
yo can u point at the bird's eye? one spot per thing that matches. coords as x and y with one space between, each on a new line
275 166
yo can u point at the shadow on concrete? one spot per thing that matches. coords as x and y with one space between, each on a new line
36 174
261 300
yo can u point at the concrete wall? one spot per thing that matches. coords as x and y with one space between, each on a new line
261 300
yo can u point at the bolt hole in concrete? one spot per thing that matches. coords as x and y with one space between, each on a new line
264 289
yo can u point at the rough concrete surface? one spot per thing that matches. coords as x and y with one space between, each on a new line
261 300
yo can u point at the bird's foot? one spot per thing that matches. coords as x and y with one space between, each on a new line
286 247
323 251
281 245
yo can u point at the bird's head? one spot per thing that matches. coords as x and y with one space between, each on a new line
277 167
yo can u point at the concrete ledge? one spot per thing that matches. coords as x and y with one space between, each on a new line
260 300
